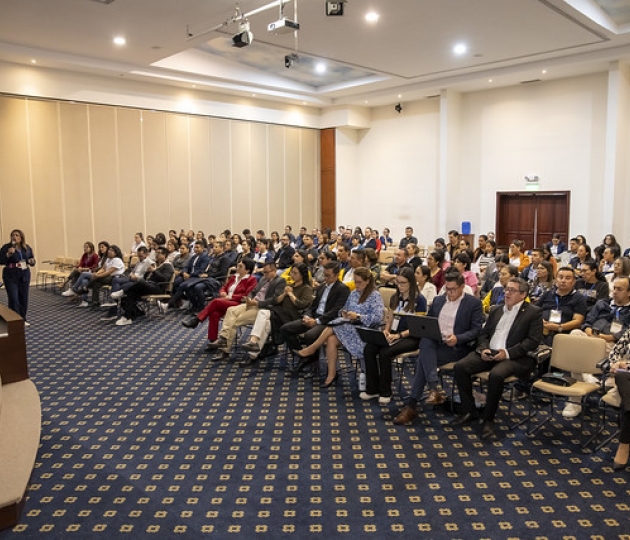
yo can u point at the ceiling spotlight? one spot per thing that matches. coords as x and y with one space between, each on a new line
320 67
372 17
460 49
398 108
120 41
244 36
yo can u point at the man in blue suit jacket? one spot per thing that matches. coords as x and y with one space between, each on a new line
190 276
461 318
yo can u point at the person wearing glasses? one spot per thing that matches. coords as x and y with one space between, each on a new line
460 317
378 360
513 329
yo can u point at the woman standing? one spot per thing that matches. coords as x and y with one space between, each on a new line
17 258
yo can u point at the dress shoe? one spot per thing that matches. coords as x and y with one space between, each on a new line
191 322
302 364
331 383
252 346
216 344
436 397
222 356
463 419
408 414
487 431
249 361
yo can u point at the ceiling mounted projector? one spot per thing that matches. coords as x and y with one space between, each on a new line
283 26
244 37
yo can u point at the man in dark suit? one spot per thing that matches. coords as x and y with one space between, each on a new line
329 299
189 277
460 317
512 330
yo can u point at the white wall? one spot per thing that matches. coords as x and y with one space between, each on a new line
555 129
387 175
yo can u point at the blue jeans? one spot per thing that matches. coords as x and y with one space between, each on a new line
82 283
432 355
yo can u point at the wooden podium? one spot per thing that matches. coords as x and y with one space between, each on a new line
13 366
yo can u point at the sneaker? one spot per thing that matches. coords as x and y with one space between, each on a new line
117 294
185 305
123 321
384 400
109 317
27 324
587 377
109 304
69 292
362 383
571 410
84 304
163 307
366 397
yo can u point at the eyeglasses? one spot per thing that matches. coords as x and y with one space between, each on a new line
450 289
511 290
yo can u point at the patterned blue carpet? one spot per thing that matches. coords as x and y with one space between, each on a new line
144 437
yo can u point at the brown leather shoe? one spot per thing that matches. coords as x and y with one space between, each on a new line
408 414
436 397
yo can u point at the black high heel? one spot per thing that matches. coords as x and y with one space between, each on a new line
331 383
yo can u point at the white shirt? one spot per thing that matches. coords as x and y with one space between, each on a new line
447 316
499 338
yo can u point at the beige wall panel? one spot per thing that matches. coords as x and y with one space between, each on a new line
221 216
103 150
15 185
276 178
155 171
75 164
259 180
241 166
130 174
47 194
200 173
292 178
178 171
309 171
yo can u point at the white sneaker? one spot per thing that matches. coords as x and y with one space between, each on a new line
84 304
362 383
571 410
163 307
69 292
366 397
27 324
123 321
109 304
109 318
384 400
587 377
117 294
185 305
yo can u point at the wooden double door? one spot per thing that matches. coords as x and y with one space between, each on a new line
532 216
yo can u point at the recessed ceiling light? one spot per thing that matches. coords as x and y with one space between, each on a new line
372 16
460 49
194 86
253 95
365 102
120 41
320 67
399 96
33 61
544 71
489 80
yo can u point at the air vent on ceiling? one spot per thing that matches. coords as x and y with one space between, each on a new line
434 96
106 2
530 81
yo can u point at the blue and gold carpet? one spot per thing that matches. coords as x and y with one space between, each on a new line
144 437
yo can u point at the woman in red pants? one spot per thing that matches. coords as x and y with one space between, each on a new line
235 289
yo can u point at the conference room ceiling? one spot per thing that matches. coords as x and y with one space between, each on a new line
406 54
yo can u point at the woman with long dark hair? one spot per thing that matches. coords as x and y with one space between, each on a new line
406 300
365 307
17 258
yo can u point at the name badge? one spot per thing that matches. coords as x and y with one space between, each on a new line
555 316
22 265
615 327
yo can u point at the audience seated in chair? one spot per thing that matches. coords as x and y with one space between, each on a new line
189 277
460 318
513 329
329 300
